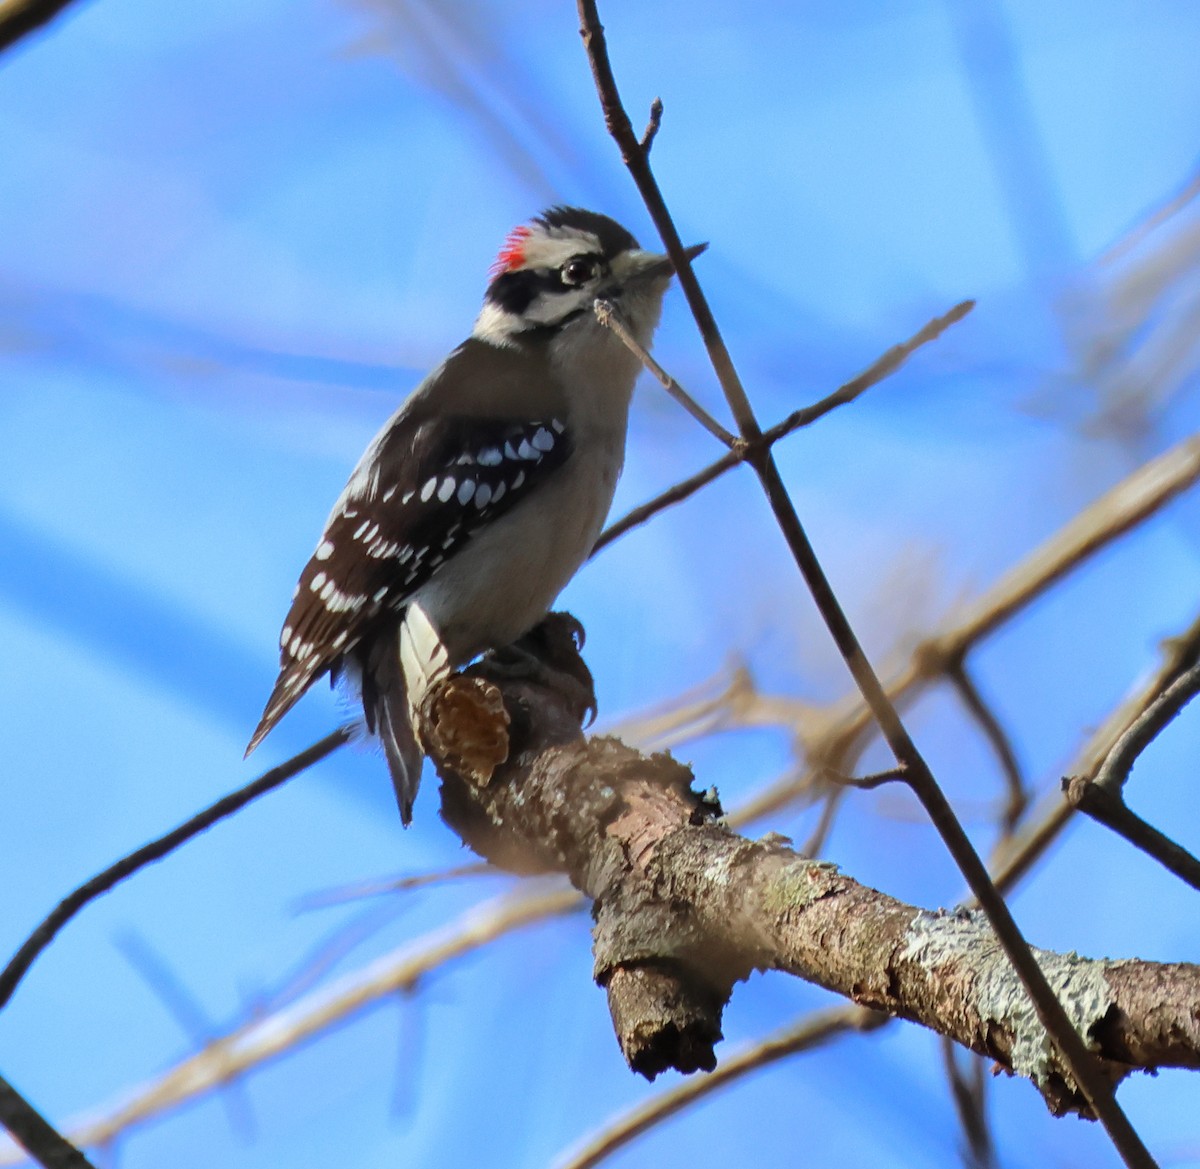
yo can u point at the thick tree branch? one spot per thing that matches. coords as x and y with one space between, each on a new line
688 905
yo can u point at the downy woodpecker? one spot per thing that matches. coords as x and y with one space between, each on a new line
484 493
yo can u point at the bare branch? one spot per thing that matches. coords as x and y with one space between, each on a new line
1142 494
100 884
1145 729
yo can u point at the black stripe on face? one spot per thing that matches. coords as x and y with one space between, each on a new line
515 291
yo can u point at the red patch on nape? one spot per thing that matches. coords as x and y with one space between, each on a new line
512 255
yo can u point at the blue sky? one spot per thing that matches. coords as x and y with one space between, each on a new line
237 234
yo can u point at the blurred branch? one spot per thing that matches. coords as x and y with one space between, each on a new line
969 1089
18 18
809 1033
273 1034
35 1134
1116 512
985 718
1152 222
100 884
324 898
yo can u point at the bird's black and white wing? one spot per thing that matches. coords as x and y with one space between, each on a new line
426 485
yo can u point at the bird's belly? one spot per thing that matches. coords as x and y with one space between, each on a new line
507 577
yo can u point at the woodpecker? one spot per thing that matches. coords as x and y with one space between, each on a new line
485 491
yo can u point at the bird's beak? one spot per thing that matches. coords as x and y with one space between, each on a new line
648 265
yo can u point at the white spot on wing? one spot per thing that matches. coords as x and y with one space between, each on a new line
526 451
498 494
428 490
465 490
324 550
317 581
490 456
543 440
482 496
446 489
518 480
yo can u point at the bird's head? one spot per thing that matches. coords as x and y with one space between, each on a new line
551 271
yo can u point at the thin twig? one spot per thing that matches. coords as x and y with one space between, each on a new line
35 1134
1014 857
882 368
66 909
985 718
811 1032
1144 730
1103 798
1050 1011
651 131
1109 808
866 782
609 315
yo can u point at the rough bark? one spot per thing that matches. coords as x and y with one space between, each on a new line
684 908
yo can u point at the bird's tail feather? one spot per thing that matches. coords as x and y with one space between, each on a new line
393 718
399 683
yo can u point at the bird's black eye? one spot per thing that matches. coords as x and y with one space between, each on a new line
579 270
